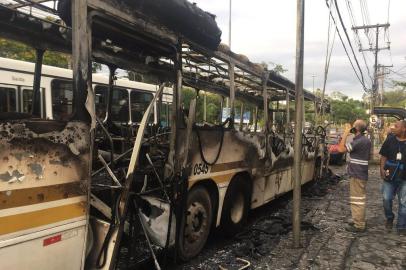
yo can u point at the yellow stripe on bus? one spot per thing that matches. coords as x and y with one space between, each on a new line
20 222
35 195
223 178
218 179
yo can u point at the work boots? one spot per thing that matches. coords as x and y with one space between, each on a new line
353 229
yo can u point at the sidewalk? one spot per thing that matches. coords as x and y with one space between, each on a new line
331 247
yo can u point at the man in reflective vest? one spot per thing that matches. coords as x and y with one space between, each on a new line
393 172
359 151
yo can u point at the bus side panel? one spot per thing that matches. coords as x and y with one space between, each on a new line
308 170
44 173
60 250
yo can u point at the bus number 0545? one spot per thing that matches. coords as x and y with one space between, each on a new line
200 168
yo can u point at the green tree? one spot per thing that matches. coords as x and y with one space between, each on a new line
18 51
347 111
279 69
396 98
402 85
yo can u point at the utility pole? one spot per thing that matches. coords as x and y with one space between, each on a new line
299 101
381 76
375 50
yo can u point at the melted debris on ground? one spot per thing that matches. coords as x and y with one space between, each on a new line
267 225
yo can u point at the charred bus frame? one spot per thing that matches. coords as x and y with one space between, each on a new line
119 38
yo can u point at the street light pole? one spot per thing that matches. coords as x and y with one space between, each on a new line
298 126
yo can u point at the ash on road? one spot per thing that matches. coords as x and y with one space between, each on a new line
266 243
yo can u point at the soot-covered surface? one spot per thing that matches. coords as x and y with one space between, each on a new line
266 227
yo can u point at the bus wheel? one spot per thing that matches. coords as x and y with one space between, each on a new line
236 206
198 219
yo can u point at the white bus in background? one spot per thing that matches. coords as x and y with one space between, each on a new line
16 80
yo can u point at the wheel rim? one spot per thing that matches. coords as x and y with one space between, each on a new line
196 224
237 210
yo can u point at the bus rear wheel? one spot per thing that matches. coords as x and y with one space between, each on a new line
236 206
197 223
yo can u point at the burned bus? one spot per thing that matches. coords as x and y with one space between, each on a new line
72 199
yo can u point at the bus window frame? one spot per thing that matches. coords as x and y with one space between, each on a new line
42 98
115 87
52 102
131 90
15 87
95 86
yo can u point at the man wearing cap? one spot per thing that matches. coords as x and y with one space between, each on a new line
359 151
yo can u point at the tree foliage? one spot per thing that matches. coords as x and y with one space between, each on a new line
18 51
396 98
279 69
347 110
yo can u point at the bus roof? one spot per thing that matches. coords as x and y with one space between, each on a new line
202 68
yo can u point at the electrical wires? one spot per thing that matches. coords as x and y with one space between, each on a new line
329 51
358 73
358 39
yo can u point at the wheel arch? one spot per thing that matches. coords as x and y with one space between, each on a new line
214 193
245 175
242 181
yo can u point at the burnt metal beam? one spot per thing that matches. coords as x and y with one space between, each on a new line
231 68
42 34
81 60
26 3
28 29
265 100
221 90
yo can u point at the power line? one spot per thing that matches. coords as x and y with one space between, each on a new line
365 19
349 41
401 68
329 51
345 48
357 37
397 73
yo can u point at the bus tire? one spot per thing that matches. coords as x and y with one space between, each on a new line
236 205
197 223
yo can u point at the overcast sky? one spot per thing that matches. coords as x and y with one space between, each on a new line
264 30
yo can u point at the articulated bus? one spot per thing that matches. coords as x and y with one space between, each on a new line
104 167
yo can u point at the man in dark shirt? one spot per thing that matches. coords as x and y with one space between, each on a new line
393 172
359 150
